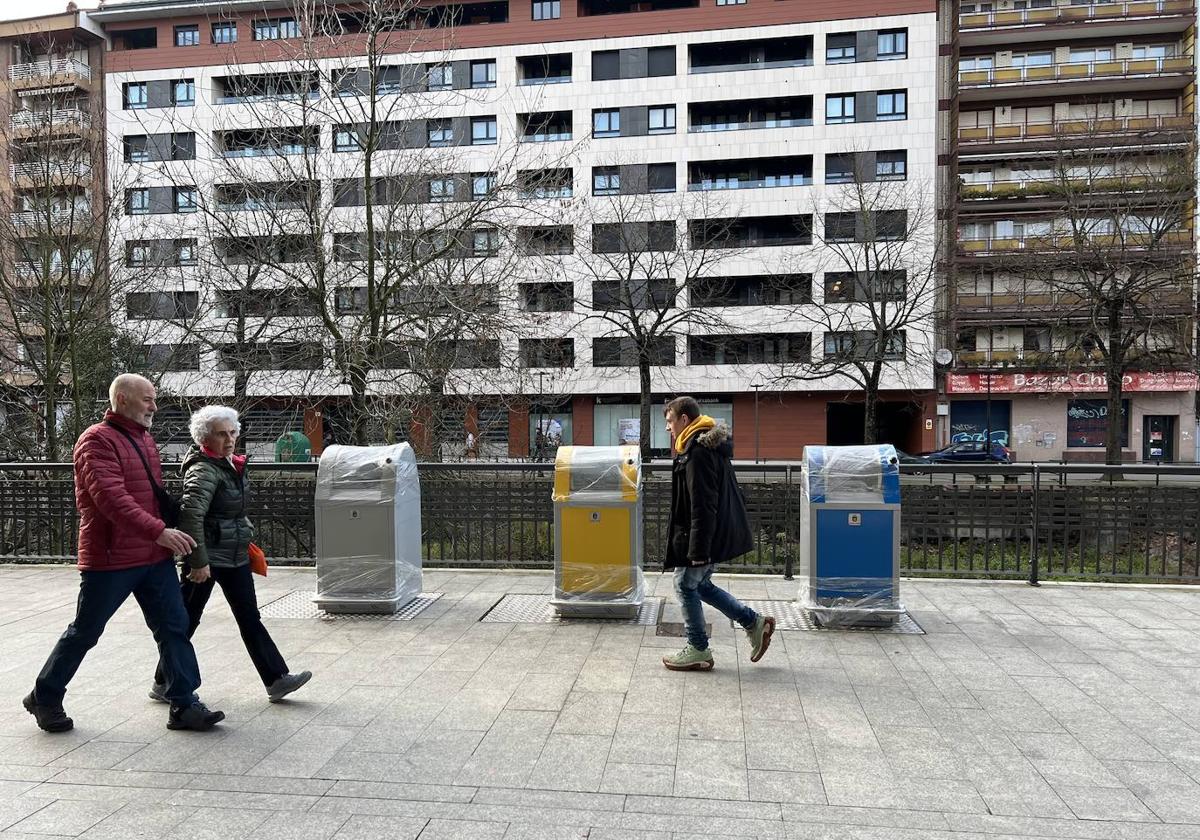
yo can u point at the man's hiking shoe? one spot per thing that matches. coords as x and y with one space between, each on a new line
286 684
196 717
760 636
158 692
690 659
49 718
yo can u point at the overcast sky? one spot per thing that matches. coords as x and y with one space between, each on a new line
11 9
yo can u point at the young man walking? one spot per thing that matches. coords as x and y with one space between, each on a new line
125 548
708 526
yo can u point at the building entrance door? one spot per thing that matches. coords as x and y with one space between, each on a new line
1158 437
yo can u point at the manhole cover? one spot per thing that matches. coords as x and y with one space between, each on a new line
791 616
300 605
520 608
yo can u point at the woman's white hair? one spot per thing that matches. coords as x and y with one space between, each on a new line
202 421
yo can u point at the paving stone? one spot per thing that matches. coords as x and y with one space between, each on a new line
654 779
366 827
781 786
571 762
65 816
715 769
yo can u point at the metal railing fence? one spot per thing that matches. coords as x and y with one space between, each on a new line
1023 521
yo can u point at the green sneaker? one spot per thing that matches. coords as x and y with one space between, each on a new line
690 659
760 636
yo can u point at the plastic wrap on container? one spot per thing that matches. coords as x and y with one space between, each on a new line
598 531
368 514
850 600
851 474
597 474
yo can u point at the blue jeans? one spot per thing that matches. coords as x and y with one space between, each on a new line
694 585
101 594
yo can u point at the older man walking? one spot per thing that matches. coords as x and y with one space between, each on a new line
125 548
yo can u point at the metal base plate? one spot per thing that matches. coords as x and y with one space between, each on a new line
520 608
789 615
299 604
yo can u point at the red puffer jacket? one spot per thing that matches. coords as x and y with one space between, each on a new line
118 514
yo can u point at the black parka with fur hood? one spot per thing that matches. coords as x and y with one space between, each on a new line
708 512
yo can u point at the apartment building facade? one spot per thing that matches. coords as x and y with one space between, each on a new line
51 227
747 117
1075 147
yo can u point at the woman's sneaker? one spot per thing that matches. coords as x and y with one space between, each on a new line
286 684
690 659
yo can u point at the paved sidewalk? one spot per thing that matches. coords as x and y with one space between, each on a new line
1064 711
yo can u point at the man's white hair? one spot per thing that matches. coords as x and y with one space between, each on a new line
125 384
202 421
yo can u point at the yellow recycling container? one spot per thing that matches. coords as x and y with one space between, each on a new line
598 531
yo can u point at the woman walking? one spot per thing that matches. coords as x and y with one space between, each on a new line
214 515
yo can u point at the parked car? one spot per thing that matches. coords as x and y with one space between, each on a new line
971 452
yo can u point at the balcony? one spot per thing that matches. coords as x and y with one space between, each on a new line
49 173
64 121
1026 359
1066 13
974 308
1051 133
996 192
970 248
1074 77
53 218
49 73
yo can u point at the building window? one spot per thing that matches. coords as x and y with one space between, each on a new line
183 93
660 178
137 148
137 202
485 243
276 29
135 96
441 189
187 36
840 48
606 123
441 76
891 166
861 345
137 253
839 168
185 200
1087 423
662 119
546 10
731 2
483 184
440 132
606 180
892 105
483 131
893 44
185 251
224 33
839 108
483 74
346 140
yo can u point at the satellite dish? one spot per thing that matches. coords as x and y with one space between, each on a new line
943 356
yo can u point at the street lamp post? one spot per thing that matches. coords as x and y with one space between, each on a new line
757 384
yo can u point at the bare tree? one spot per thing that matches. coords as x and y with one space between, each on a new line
879 258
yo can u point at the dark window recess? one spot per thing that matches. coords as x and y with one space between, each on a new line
610 295
142 306
720 56
547 352
261 302
1087 423
136 39
588 8
275 195
547 297
459 14
841 48
546 240
545 126
864 346
864 286
846 167
545 183
263 250
224 32
742 114
544 69
634 63
752 290
233 89
483 73
161 357
763 348
633 237
660 178
254 142
606 180
280 355
623 351
750 232
878 226
891 165
750 173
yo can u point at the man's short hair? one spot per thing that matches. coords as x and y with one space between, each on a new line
683 405
124 384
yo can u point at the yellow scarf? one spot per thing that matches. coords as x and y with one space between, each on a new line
700 424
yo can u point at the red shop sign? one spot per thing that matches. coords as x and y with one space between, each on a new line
1065 383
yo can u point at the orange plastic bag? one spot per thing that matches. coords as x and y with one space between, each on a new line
258 560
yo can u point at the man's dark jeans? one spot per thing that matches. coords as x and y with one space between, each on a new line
101 594
238 586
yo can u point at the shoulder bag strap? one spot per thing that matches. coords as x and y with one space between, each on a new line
136 449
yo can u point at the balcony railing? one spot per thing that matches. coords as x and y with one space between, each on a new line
735 124
49 171
1074 70
46 119
732 183
1025 358
1047 301
1064 242
1066 13
1022 187
1067 128
55 216
36 70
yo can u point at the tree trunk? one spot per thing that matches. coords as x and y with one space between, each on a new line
357 376
871 410
1115 371
644 397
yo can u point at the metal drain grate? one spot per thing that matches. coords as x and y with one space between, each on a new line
791 616
300 605
520 608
